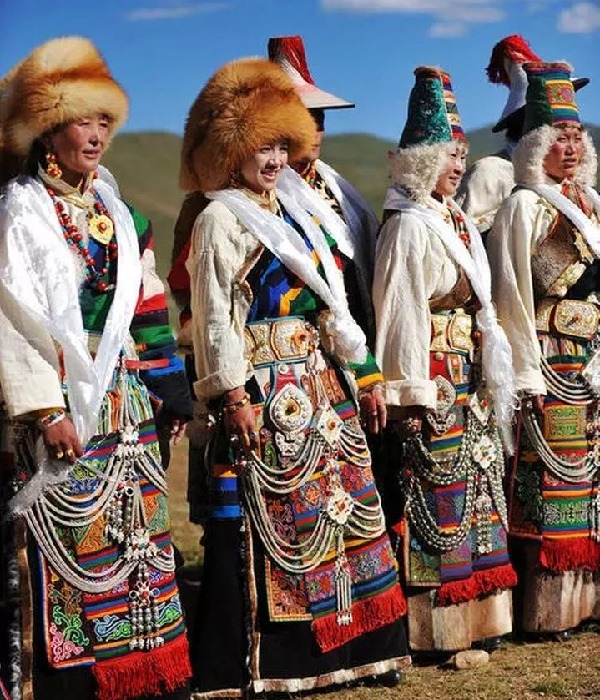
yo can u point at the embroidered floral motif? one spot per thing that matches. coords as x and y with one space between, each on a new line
61 648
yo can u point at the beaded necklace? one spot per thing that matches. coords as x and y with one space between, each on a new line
102 224
461 228
310 177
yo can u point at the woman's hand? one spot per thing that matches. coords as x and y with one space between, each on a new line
62 441
372 409
240 421
177 430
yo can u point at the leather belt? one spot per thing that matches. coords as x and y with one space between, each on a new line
134 364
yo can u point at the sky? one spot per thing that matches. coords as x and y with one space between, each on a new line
163 51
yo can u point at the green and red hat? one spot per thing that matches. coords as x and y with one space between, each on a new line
550 97
433 116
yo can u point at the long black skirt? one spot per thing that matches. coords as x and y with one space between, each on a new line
237 649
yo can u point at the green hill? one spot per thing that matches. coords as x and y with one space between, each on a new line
146 166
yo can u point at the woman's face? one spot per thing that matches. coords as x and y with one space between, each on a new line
450 177
565 154
79 146
262 169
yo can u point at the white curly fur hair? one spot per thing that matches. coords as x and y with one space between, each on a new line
529 154
416 169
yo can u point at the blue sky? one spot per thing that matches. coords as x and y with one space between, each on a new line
163 51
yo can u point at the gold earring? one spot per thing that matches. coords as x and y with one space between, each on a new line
52 168
234 179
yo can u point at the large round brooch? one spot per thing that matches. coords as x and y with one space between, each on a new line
291 409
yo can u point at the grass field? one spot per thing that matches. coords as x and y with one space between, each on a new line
531 671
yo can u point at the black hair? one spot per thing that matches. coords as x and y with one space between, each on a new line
318 116
36 157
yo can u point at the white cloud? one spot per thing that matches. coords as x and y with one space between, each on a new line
448 30
580 18
145 14
449 22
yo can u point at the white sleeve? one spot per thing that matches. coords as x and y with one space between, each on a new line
403 283
510 246
28 361
216 301
483 189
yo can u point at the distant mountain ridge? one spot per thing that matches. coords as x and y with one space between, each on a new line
146 165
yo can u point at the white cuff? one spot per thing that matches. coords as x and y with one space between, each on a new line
411 392
225 379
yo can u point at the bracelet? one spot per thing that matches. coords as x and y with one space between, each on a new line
50 419
368 389
236 405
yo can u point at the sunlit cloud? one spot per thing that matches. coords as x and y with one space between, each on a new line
581 18
446 24
146 14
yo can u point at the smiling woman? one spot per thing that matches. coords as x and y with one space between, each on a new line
260 171
437 336
89 605
299 587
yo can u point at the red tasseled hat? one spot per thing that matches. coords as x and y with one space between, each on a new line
288 52
514 48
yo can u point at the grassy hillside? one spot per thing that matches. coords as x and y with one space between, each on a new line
146 167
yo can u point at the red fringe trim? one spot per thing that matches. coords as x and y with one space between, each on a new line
568 555
155 672
479 584
367 615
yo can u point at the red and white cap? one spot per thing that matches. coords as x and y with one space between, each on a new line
506 68
288 52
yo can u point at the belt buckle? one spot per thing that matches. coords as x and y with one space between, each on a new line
439 326
459 332
576 318
258 345
289 339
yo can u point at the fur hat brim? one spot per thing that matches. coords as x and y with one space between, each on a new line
246 104
60 81
532 149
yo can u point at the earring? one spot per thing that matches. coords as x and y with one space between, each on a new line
52 168
234 179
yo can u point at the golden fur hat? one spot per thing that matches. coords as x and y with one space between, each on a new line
246 104
61 80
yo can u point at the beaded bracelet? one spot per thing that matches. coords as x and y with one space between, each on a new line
50 419
236 405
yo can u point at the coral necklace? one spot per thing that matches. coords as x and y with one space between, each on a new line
101 229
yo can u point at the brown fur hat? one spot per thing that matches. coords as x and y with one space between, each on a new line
246 104
61 80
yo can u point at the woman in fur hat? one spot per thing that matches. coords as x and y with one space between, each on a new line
299 587
90 601
544 249
448 387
